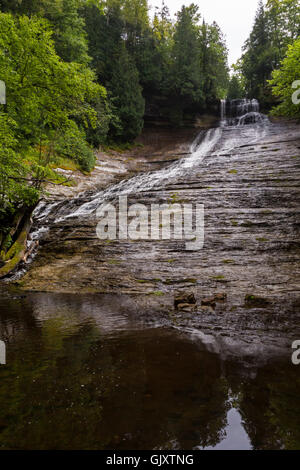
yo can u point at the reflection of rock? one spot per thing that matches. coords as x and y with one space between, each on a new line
185 301
249 184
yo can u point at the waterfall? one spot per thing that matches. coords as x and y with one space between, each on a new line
241 112
251 117
223 112
255 106
232 131
202 146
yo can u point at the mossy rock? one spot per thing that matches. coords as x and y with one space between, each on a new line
252 301
247 223
158 293
16 253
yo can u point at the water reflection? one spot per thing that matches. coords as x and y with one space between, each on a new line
85 373
236 436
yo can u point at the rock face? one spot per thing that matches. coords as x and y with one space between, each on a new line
185 301
17 252
247 275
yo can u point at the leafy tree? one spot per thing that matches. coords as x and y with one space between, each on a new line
13 171
115 67
283 80
44 94
235 88
68 26
69 29
136 20
186 57
179 72
105 29
127 99
21 7
153 55
276 26
257 61
214 68
283 17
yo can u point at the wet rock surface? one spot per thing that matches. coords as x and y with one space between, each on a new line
245 280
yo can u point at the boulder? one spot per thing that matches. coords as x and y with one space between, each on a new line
186 299
212 301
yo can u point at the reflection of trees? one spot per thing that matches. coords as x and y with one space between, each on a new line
270 406
16 319
179 398
67 385
44 391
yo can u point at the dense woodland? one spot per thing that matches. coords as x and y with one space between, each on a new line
274 36
85 73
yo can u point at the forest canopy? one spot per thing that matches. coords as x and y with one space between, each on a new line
83 73
276 28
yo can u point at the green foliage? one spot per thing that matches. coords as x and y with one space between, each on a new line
199 57
69 29
67 25
53 53
44 94
179 72
214 66
72 144
276 26
49 106
235 89
185 54
13 171
128 100
282 81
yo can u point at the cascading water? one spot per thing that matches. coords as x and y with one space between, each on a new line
202 146
223 113
231 133
239 112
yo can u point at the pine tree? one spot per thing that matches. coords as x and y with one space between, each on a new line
128 101
257 61
275 27
235 89
214 68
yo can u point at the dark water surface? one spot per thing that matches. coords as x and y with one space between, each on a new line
84 373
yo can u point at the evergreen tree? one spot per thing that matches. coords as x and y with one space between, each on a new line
214 68
128 102
186 85
275 27
235 88
257 61
69 29
153 54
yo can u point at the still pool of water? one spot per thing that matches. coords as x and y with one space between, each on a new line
82 372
